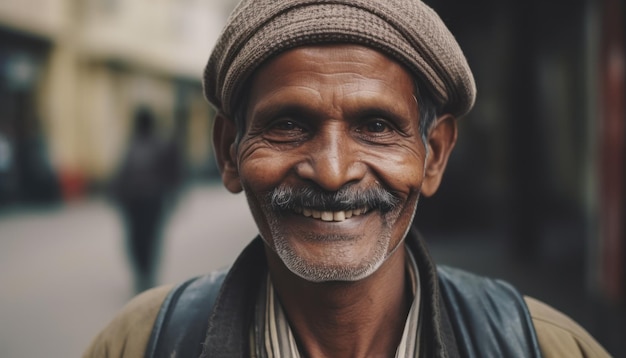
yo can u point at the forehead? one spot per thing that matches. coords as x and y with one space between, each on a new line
332 72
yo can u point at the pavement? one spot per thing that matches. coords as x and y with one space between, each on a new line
64 271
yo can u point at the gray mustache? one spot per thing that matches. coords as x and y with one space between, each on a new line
346 198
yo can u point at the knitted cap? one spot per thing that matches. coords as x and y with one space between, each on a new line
407 30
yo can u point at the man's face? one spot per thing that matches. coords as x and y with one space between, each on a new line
332 160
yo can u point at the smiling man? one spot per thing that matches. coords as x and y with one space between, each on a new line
331 161
334 117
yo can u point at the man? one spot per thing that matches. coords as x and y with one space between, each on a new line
146 179
333 118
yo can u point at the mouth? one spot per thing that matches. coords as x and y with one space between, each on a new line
328 216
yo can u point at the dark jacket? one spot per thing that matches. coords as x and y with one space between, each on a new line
490 317
463 316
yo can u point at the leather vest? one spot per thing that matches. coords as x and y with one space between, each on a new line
468 315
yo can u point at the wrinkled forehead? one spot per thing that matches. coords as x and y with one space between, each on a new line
333 75
343 65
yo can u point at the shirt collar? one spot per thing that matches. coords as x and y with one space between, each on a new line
271 336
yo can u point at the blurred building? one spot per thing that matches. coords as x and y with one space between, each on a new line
72 73
541 160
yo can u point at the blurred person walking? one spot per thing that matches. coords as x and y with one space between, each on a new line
148 177
6 163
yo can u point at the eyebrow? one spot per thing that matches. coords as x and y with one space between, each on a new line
273 109
382 112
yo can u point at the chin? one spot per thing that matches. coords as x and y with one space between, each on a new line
331 260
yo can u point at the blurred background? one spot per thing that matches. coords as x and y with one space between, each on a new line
534 192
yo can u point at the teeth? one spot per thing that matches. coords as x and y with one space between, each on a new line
331 215
339 216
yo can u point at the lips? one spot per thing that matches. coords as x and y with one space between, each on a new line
330 215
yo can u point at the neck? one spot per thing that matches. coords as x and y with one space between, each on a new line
346 319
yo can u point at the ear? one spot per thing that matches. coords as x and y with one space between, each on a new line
441 140
224 135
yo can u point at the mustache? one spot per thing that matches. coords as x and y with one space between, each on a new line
347 198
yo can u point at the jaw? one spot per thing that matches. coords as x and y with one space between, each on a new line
350 247
321 251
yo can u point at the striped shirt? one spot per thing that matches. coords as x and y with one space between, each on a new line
271 336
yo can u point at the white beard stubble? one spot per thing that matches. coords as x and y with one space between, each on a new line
320 271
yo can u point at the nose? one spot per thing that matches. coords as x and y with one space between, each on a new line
333 160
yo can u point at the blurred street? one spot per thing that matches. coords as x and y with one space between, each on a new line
64 271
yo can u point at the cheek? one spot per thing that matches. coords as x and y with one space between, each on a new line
260 174
402 171
262 168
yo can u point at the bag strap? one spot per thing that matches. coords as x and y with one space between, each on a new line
490 317
181 324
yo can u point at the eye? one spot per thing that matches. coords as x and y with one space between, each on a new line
286 126
376 126
285 130
377 130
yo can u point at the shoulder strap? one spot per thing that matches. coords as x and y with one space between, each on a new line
489 317
180 326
